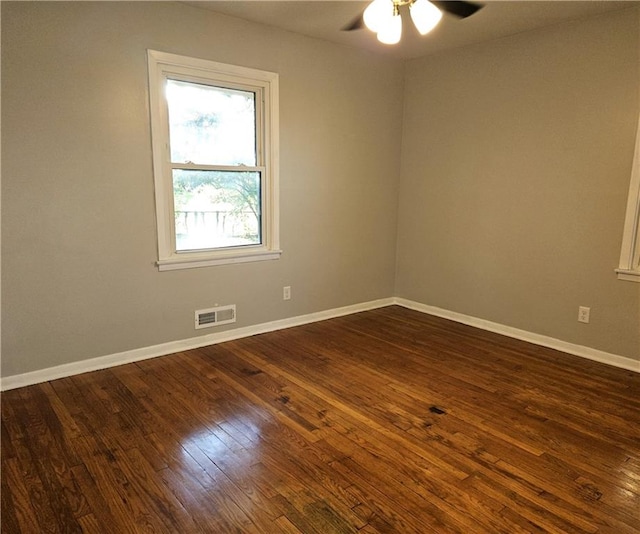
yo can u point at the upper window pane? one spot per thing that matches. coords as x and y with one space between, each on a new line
211 125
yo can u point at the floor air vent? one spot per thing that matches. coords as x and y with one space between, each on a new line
216 316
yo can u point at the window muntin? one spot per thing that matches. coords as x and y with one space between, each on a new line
215 147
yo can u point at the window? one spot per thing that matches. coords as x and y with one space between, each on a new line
630 256
215 145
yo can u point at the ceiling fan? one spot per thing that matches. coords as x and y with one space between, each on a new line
383 16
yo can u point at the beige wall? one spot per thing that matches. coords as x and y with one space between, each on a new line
512 183
78 228
515 170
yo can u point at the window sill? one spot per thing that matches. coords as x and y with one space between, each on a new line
193 261
628 275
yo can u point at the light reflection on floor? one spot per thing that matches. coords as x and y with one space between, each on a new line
233 443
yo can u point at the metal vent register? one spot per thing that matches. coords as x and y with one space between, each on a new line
215 316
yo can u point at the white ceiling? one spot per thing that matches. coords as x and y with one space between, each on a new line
324 20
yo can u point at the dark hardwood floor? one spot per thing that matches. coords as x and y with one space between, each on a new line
383 421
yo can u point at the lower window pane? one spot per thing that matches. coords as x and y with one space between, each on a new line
216 209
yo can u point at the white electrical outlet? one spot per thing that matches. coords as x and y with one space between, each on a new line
583 314
286 293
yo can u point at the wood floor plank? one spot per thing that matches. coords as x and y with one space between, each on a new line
18 514
285 526
386 421
105 507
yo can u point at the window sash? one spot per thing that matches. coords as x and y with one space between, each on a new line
224 168
258 91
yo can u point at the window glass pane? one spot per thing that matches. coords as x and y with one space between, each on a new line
211 125
216 209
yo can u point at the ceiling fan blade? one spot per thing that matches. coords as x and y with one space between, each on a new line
459 9
355 24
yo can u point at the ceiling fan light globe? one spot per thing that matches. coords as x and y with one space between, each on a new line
377 14
425 16
391 32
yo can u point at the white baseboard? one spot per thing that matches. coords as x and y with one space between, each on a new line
144 353
537 339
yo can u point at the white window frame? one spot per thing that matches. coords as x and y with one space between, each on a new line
629 268
161 66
